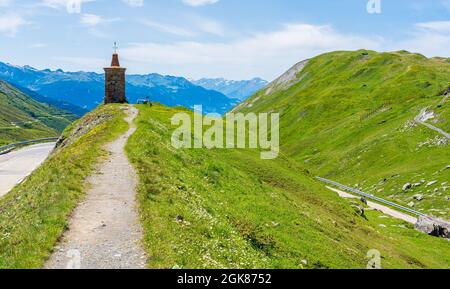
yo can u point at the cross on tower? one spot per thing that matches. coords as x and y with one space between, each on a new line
115 47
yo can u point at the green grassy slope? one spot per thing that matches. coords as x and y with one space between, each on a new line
35 214
349 116
22 118
205 208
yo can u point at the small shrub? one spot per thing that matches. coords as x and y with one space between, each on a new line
256 236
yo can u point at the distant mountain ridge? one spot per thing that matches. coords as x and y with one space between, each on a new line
63 105
24 118
239 89
86 89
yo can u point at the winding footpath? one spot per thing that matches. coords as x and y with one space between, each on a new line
19 164
104 231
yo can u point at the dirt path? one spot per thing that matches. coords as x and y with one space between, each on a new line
104 231
385 210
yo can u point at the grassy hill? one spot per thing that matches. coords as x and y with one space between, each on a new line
23 118
206 208
349 116
230 209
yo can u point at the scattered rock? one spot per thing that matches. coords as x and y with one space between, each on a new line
407 187
410 124
417 185
382 226
431 183
418 197
433 227
425 115
304 262
358 209
437 141
179 218
411 205
275 224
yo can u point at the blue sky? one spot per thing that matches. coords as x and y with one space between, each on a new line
235 39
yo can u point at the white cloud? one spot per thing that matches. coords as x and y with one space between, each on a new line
10 23
134 3
196 26
265 54
428 38
94 20
91 19
268 54
437 26
176 30
208 25
81 63
5 3
197 3
72 6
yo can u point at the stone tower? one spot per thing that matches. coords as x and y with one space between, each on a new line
115 81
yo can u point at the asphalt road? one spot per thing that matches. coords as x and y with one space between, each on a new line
17 165
384 209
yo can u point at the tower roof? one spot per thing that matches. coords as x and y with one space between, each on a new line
115 60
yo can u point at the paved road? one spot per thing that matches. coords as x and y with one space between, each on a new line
17 165
384 209
419 119
436 129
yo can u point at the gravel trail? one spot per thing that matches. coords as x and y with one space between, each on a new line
104 231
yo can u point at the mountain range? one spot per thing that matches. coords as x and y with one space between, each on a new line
239 89
80 92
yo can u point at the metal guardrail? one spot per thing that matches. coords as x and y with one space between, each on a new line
358 192
12 146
